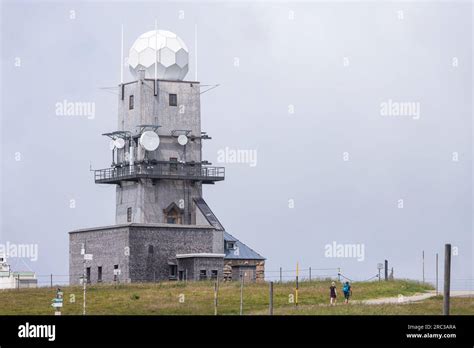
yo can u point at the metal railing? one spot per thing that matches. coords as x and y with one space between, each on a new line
160 171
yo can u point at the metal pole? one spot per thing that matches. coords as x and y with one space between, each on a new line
241 293
386 270
437 274
280 275
84 281
271 298
423 262
447 278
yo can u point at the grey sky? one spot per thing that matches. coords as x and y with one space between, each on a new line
282 62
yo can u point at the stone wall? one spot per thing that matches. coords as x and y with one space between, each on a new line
259 266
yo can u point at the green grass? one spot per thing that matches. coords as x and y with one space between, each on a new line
167 298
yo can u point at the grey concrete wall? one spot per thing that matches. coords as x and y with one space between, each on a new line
109 247
148 200
166 242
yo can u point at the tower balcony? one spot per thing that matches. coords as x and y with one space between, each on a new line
160 171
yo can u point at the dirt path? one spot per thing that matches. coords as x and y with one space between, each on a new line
413 298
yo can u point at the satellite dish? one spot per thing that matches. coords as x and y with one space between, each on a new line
120 143
112 145
182 139
149 140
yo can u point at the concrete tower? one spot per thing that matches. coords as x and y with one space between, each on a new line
164 228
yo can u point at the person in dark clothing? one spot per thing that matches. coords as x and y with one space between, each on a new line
333 294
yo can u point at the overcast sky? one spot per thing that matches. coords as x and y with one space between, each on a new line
303 84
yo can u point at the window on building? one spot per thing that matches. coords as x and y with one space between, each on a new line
130 102
170 220
99 274
202 274
88 274
173 164
150 249
173 99
173 270
230 245
214 274
181 275
129 214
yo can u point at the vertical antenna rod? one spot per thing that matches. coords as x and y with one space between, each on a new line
195 52
156 50
121 59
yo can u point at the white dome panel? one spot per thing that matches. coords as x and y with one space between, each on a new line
172 55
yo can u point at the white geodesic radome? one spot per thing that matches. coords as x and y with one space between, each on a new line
172 55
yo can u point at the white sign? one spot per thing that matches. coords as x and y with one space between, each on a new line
57 304
88 257
116 272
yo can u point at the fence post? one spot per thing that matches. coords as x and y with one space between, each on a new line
447 278
386 270
271 298
436 274
241 293
280 275
216 287
51 280
310 274
423 261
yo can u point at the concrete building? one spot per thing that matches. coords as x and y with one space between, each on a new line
164 229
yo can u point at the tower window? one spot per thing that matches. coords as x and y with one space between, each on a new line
173 99
129 214
230 245
130 102
202 274
150 249
99 274
214 274
173 164
88 274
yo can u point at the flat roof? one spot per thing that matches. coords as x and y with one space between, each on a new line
134 224
185 256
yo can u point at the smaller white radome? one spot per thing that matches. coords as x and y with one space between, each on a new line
161 46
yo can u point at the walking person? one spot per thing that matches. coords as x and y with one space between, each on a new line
347 290
332 294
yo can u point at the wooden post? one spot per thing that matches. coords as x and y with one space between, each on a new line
216 287
423 263
310 274
437 274
51 281
280 275
386 270
241 293
296 290
271 298
447 278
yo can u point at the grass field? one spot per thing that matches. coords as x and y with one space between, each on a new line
197 298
